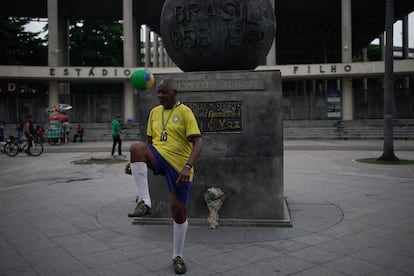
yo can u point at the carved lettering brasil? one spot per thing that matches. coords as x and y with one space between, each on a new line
218 117
217 35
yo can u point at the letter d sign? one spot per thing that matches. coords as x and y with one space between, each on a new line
11 87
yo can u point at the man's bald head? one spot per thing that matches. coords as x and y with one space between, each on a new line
167 84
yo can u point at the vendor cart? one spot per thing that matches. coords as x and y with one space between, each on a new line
55 133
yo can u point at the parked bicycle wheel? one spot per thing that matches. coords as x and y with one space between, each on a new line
37 148
11 148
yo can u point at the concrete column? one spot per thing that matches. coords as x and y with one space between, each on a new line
155 49
53 92
271 56
382 46
138 45
162 54
406 51
347 99
58 49
147 47
365 80
129 110
63 36
346 31
364 55
312 97
53 20
53 46
130 35
405 37
130 54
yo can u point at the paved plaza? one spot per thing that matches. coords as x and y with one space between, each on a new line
349 218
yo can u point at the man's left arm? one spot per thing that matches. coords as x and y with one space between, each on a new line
196 151
184 175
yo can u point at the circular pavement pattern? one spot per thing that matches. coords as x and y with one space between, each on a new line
307 218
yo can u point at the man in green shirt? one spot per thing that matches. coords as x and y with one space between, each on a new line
117 135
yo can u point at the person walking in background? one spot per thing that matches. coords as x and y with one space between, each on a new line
172 149
117 135
66 130
1 130
19 130
29 131
79 134
40 132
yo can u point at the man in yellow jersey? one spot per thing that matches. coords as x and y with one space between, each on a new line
174 145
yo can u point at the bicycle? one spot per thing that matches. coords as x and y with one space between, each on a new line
13 147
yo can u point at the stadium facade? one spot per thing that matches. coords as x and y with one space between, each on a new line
314 48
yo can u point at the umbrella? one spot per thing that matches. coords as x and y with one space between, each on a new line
58 108
58 117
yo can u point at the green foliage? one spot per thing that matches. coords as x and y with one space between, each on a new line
212 194
92 43
96 43
19 47
373 54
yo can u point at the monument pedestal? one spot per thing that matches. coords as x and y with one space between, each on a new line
241 119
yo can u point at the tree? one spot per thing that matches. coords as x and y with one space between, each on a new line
96 43
19 47
389 97
373 53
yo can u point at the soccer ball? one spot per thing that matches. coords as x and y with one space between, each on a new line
142 79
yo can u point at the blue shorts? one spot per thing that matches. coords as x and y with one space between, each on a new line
162 167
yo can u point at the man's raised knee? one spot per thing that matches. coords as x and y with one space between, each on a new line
137 147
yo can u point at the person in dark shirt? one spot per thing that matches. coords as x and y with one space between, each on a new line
29 131
79 134
19 130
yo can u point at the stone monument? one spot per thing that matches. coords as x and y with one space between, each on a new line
218 43
240 117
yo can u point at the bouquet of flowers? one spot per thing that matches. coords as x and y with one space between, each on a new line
214 198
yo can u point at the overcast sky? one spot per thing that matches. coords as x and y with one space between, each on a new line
398 31
38 26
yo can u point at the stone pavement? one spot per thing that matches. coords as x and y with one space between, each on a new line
58 218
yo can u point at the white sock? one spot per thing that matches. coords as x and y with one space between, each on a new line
179 232
140 172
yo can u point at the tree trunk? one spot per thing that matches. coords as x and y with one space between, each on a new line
389 98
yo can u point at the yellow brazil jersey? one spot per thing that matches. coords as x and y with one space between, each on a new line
171 131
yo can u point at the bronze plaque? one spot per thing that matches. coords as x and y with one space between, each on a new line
218 117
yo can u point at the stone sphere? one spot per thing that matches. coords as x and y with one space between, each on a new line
217 35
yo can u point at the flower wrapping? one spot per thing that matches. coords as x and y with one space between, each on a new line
214 198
